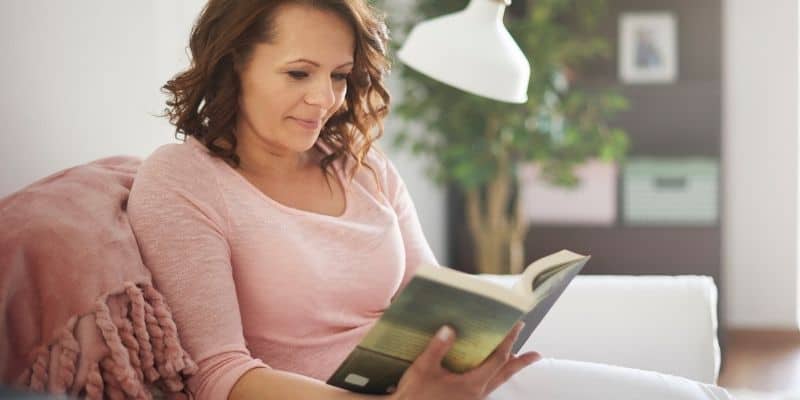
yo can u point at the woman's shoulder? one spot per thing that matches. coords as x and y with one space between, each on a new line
379 173
377 159
374 164
179 165
185 153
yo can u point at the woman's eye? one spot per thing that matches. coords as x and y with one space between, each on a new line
341 77
297 74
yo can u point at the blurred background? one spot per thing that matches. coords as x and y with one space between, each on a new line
708 183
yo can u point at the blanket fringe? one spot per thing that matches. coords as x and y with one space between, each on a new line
67 358
94 383
39 371
143 351
140 332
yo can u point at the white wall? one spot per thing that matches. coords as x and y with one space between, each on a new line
81 81
761 163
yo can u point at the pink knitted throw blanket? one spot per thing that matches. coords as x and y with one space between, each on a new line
81 316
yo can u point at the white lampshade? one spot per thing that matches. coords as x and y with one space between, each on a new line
472 51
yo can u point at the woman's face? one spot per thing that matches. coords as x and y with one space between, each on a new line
292 85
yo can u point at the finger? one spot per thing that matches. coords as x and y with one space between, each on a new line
503 351
511 368
500 356
440 344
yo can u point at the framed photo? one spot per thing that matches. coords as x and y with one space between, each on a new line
648 47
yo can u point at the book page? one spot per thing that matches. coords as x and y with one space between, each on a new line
475 284
543 268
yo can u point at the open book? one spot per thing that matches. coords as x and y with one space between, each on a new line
481 312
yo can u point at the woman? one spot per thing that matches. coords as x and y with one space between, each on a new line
276 232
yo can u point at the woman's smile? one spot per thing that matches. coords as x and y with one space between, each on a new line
310 124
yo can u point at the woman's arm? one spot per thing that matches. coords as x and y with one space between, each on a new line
416 248
269 384
180 222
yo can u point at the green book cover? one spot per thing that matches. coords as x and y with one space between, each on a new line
481 312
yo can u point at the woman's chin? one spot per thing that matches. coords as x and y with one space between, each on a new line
304 144
303 140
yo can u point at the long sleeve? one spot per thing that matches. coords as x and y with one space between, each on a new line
180 222
417 249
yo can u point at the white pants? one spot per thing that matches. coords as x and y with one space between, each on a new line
551 379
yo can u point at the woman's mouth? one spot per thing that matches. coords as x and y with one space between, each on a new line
307 124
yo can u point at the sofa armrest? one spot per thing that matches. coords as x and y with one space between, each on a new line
659 323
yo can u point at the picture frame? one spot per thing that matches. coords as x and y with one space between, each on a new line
648 47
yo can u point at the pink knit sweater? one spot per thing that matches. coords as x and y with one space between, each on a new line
254 283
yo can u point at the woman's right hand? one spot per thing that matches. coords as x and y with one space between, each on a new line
427 379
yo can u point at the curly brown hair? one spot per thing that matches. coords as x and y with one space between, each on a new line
203 100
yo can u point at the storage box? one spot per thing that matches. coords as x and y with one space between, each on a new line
676 191
592 202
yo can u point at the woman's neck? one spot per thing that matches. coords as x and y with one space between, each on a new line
260 159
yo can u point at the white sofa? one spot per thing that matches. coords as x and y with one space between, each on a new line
666 324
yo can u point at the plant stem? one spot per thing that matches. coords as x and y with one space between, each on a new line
498 235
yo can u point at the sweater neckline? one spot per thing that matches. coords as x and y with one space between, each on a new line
339 175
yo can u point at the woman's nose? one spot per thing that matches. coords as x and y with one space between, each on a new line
322 94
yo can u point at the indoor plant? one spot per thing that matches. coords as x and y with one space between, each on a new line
476 144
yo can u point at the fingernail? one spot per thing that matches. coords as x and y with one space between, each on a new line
445 333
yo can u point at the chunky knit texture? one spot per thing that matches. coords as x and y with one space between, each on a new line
81 314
